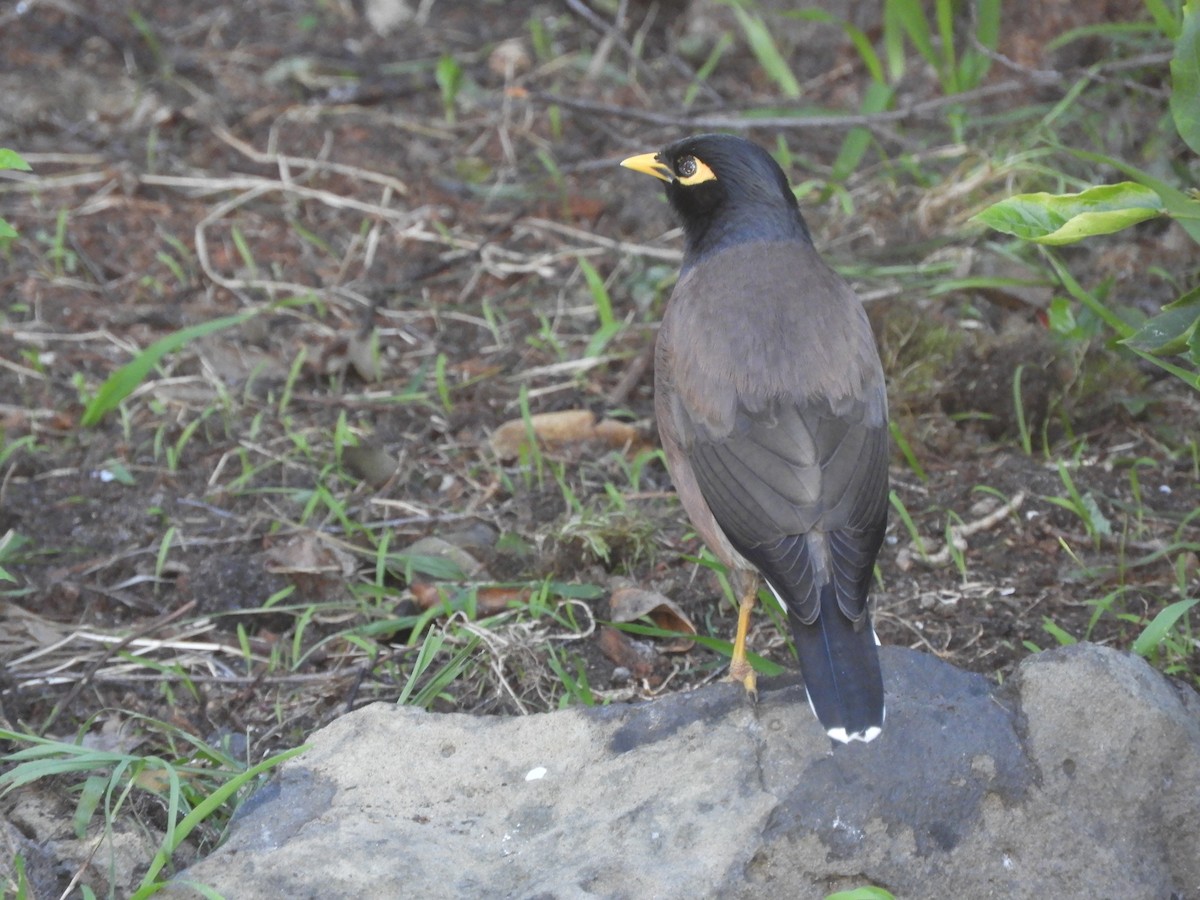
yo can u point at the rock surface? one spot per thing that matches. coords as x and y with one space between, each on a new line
1081 777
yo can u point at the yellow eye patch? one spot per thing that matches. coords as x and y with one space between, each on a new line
690 171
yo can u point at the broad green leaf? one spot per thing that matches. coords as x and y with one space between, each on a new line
1090 224
1156 631
123 382
10 159
1185 209
1185 79
1065 218
1173 331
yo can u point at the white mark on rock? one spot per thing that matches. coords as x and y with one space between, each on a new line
536 774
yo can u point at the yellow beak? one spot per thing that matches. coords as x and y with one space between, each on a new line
649 164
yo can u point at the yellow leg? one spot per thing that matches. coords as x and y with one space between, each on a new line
739 667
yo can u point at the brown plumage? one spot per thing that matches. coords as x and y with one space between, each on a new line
772 412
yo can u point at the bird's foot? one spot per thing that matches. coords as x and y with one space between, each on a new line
743 673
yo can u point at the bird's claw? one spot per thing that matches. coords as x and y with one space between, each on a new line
742 672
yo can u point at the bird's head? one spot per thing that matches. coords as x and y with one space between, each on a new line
726 190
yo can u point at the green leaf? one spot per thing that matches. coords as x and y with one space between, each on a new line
10 159
893 42
975 65
1173 331
1164 18
1157 631
1062 317
862 893
203 810
762 42
1097 521
945 23
600 295
121 475
449 76
862 43
911 16
1064 638
1185 209
90 796
1102 312
1066 218
1185 79
878 97
123 382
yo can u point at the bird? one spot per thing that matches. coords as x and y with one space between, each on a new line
771 407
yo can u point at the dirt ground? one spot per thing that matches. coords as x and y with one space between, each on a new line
234 550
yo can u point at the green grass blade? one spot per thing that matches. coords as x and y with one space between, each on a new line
878 98
1156 632
766 51
126 379
203 810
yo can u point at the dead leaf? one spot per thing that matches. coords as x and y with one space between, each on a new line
308 554
426 594
235 362
492 600
639 657
362 352
508 58
385 16
552 430
618 434
22 631
631 604
115 735
488 600
374 465
558 431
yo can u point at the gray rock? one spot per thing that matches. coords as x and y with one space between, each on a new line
1081 777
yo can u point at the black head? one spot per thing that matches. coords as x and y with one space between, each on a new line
726 191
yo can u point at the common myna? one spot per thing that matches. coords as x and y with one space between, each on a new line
772 411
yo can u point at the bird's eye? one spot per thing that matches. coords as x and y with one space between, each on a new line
685 166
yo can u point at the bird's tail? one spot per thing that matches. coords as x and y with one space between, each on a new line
841 672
